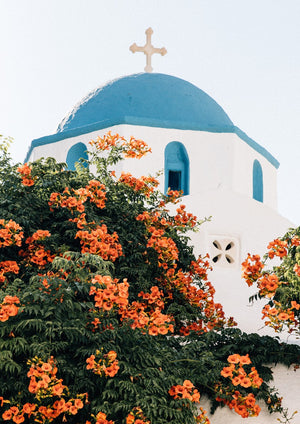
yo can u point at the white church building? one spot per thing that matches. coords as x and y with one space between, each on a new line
222 172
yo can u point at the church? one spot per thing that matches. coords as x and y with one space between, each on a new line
223 173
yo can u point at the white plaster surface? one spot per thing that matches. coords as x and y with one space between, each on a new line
217 160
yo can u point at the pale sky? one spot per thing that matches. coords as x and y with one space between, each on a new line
243 53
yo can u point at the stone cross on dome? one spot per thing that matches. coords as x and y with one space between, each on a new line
148 50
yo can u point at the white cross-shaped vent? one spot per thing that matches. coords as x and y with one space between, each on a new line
224 251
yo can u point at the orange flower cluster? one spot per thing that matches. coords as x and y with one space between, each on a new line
44 385
145 315
66 201
238 375
134 148
144 185
101 419
103 364
43 381
196 326
167 251
157 225
25 172
7 267
296 270
110 294
252 268
16 414
99 242
277 248
8 307
153 298
148 315
203 298
186 391
184 219
107 141
295 241
136 416
153 219
164 246
74 200
295 305
93 238
10 233
183 281
268 285
131 148
96 192
244 405
39 235
174 196
279 317
36 252
200 267
202 418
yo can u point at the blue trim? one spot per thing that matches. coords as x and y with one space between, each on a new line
130 120
177 160
258 183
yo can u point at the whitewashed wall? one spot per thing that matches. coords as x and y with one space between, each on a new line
217 160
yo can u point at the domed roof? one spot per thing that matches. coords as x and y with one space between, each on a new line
153 100
148 99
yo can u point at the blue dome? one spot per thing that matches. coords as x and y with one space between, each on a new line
153 100
148 99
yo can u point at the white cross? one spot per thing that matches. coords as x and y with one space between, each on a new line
148 50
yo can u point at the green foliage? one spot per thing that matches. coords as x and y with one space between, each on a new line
57 310
279 284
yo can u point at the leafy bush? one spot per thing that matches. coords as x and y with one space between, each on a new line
106 315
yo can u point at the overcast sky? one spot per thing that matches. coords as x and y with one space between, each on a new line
243 53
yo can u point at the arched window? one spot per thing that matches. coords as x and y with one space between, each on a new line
177 167
258 185
76 152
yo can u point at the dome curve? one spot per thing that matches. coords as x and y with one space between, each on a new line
148 99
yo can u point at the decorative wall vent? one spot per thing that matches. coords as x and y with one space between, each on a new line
224 250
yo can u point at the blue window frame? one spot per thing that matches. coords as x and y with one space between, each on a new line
177 167
76 152
258 184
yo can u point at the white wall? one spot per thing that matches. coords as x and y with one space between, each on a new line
217 160
253 225
242 173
